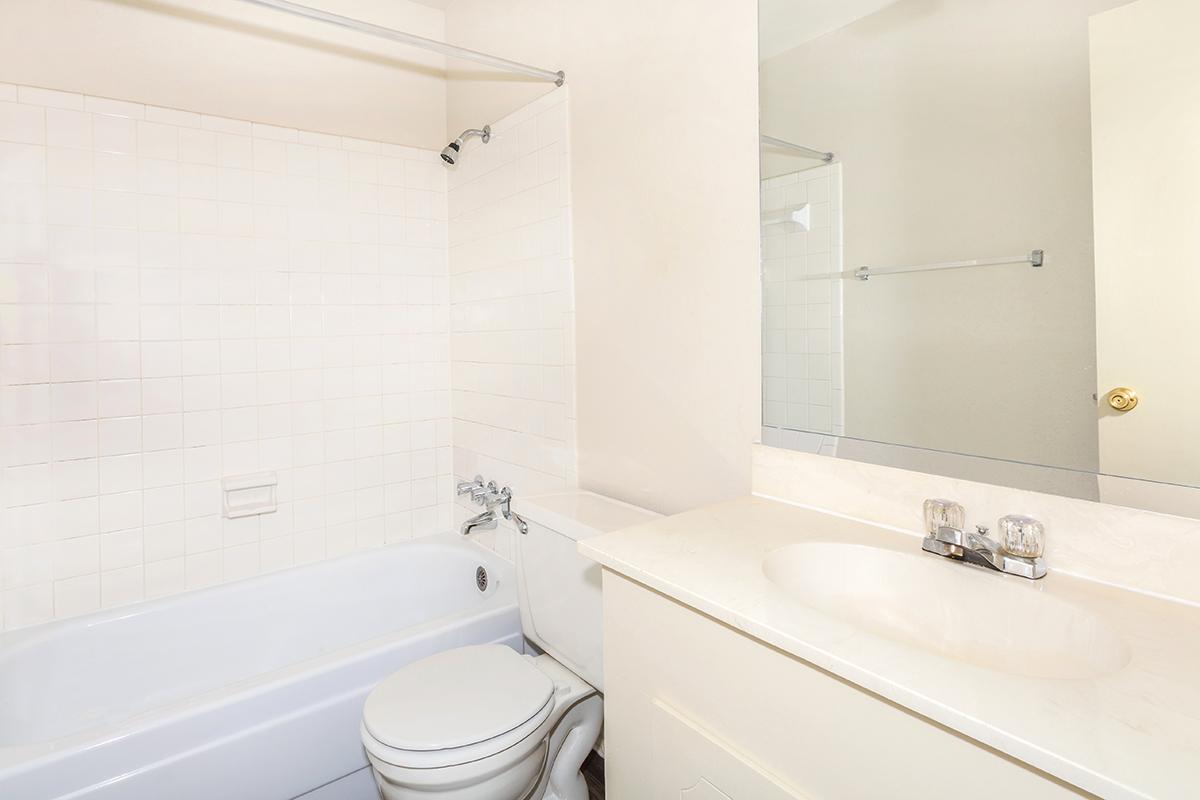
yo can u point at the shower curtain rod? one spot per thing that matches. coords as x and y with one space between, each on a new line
808 151
558 78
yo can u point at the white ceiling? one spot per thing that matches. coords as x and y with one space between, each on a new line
784 24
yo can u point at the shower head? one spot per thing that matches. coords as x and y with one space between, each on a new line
453 151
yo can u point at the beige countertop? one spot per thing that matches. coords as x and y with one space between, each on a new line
1132 730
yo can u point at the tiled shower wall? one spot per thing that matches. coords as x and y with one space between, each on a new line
184 297
803 379
512 308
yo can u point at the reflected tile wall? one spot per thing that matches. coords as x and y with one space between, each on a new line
802 305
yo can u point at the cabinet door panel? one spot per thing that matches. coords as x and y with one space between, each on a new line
692 764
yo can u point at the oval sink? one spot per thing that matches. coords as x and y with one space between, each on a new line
955 611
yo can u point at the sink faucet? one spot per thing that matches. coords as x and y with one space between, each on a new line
1019 551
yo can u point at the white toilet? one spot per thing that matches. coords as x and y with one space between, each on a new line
486 723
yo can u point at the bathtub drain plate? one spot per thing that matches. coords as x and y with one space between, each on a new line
481 579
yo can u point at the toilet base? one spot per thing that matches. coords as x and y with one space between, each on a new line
570 744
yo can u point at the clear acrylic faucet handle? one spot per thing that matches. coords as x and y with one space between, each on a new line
1022 536
943 514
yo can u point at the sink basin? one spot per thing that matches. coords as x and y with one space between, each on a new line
958 612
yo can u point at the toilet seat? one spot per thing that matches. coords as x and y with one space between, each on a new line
457 707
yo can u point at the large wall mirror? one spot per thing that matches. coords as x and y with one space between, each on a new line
981 240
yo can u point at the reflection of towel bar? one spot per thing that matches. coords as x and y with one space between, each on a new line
1036 258
797 215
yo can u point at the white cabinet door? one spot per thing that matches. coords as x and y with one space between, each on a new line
692 764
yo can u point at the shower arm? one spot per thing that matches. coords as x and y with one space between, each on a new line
485 134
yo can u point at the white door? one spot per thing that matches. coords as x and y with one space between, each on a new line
692 764
1145 68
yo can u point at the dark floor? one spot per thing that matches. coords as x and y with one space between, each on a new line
593 773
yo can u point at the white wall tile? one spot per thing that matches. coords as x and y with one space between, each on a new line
508 264
116 108
165 577
184 297
28 605
114 134
120 587
173 116
21 163
68 128
75 557
115 171
67 166
49 97
22 123
24 364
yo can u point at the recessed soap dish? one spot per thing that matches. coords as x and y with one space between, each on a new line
249 495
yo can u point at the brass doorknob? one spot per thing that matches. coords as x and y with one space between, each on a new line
1123 399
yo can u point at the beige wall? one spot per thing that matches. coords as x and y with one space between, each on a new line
665 207
963 129
228 58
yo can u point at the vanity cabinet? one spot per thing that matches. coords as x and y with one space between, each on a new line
696 710
694 763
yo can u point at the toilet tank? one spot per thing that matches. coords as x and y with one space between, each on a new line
559 589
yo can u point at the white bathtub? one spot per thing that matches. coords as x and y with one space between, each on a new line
251 690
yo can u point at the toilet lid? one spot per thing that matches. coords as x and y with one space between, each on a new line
457 698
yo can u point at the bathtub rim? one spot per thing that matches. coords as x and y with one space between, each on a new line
16 638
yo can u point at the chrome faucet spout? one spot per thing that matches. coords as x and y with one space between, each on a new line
496 502
976 547
971 546
976 540
484 522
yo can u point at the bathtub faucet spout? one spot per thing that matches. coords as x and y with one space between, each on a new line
485 522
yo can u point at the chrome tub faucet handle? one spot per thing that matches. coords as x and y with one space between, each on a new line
469 487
